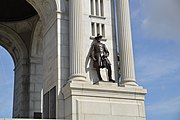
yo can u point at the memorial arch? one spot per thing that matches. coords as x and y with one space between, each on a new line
49 41
10 40
22 32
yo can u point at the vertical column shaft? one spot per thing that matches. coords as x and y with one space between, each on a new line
95 28
99 7
100 29
77 67
94 8
125 43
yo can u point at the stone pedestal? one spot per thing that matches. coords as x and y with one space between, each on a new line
105 101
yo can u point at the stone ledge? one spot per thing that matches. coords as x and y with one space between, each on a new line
97 17
104 89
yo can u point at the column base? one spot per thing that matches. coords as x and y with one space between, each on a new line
105 101
128 83
77 78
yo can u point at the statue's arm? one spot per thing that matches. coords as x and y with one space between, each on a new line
92 53
106 51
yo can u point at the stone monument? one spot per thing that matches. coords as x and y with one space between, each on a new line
49 41
123 100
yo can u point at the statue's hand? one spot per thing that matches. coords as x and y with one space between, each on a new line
94 59
104 56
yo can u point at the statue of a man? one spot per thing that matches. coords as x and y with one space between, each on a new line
99 54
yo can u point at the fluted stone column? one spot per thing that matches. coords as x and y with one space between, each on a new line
125 43
77 66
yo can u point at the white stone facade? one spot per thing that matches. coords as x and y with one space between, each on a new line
51 50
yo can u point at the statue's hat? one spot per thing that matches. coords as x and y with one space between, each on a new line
98 36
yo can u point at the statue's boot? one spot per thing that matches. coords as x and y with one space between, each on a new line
111 80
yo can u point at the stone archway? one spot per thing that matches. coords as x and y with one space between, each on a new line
13 43
10 40
24 41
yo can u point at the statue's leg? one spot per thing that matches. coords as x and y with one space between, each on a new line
110 73
98 73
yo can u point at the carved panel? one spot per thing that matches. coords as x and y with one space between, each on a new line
46 106
53 103
49 104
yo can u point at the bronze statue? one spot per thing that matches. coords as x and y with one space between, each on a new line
99 54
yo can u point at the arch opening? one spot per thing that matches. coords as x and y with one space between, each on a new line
21 28
6 83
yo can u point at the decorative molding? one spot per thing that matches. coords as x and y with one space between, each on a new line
93 38
97 17
37 44
13 43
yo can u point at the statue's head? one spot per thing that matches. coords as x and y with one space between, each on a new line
98 37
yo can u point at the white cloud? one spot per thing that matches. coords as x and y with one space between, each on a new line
165 107
161 19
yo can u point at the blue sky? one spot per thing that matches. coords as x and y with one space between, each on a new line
156 42
6 83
